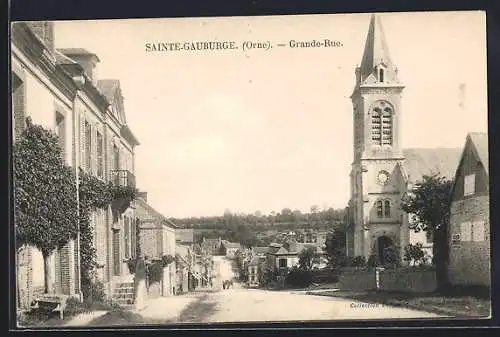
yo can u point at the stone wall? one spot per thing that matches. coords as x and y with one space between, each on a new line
408 280
469 260
357 279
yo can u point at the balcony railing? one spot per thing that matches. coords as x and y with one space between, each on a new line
123 178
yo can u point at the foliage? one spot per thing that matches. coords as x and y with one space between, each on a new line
372 261
358 261
415 254
155 271
429 209
45 205
95 292
335 248
306 258
131 264
167 259
298 277
391 256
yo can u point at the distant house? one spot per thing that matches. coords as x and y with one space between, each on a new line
469 228
184 236
230 248
157 239
260 251
211 246
281 257
253 272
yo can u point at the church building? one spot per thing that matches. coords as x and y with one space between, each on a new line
382 170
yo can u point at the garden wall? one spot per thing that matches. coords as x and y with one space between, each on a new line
357 279
408 279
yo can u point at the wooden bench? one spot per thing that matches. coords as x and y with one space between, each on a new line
53 303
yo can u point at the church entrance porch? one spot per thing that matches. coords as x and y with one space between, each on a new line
384 250
382 243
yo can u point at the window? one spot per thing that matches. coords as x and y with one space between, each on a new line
387 127
387 208
466 231
376 126
383 208
61 131
469 184
88 145
381 75
100 154
478 231
282 263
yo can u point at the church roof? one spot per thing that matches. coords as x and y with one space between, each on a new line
420 162
480 142
376 49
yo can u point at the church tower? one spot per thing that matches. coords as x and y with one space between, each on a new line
377 182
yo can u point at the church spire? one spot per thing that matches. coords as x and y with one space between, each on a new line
376 65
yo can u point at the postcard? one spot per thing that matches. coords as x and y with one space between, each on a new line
329 167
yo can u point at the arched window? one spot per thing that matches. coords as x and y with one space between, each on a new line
387 208
387 127
380 209
376 126
383 209
381 75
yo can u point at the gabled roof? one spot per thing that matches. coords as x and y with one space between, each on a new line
154 213
420 162
232 245
260 250
480 142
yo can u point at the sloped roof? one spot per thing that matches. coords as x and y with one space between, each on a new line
154 213
108 88
260 250
480 142
76 52
63 59
420 162
232 245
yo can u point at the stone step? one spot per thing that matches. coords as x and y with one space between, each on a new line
124 290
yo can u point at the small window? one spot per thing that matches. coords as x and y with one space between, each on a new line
381 75
469 184
282 263
380 209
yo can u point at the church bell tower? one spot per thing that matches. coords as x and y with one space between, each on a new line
376 181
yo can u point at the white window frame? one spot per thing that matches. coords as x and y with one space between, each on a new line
469 184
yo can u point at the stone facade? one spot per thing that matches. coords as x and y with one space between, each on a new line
469 229
381 172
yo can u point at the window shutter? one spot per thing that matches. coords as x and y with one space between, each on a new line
93 149
82 141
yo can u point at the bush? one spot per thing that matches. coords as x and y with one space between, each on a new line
155 271
94 291
391 256
358 261
415 254
297 277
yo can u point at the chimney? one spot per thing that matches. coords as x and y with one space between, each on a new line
86 59
45 31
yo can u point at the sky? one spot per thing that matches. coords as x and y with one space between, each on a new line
261 130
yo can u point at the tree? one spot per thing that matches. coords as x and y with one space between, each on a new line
45 194
414 254
335 248
306 258
429 208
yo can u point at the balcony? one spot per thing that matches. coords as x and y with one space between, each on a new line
123 178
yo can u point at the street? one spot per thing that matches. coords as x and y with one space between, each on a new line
253 305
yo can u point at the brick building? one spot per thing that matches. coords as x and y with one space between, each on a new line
42 90
382 171
469 228
157 239
59 89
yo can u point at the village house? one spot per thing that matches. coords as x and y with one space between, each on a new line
253 272
45 93
211 246
106 147
157 239
281 257
229 249
469 227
